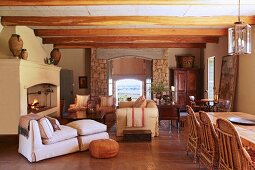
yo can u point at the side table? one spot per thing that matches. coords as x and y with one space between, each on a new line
169 112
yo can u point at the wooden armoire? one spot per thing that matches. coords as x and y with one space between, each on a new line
187 82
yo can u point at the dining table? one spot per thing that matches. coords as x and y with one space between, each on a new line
243 122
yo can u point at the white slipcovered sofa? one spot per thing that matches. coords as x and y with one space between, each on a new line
43 142
150 118
34 150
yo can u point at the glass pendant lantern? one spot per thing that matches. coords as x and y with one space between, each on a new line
239 38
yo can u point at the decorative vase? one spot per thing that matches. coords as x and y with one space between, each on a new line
15 44
24 54
55 55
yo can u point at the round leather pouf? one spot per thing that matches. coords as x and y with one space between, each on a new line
103 148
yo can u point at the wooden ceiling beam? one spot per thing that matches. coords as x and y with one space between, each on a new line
119 2
129 39
122 20
132 45
131 32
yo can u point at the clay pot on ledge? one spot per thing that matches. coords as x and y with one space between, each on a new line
55 55
15 45
24 54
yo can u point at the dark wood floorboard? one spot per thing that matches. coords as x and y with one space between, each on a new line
166 152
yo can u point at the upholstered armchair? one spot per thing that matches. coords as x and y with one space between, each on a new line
150 117
80 104
106 104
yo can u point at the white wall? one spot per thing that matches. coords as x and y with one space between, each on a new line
36 50
182 51
218 50
245 99
245 93
74 59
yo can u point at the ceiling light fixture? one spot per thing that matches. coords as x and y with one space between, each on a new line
239 37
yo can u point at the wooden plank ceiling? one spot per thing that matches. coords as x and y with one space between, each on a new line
125 31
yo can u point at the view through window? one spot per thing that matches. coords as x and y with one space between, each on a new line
210 76
128 88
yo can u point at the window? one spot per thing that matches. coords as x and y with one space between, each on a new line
128 88
110 87
148 88
210 79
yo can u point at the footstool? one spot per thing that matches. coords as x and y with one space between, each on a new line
88 130
104 148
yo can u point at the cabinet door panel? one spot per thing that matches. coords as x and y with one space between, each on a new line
180 81
191 80
181 99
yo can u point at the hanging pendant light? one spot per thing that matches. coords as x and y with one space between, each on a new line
239 37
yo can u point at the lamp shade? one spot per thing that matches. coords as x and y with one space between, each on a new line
239 39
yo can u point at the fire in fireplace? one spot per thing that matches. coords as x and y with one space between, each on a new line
41 97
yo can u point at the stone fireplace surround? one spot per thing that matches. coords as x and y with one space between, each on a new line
16 77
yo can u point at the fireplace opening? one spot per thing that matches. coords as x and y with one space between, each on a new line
41 97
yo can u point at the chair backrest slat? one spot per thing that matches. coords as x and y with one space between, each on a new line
233 156
209 142
193 143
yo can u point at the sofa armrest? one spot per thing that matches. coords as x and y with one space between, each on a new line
27 146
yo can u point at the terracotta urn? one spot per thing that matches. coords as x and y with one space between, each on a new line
15 44
55 55
24 54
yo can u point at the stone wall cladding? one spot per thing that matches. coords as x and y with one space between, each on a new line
98 75
161 69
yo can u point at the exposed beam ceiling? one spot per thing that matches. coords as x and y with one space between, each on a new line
123 20
130 32
127 23
132 45
129 39
117 2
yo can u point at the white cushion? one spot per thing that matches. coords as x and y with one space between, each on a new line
82 100
87 126
106 101
46 128
84 141
60 135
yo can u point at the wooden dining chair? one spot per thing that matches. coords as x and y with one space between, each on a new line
233 155
209 148
193 142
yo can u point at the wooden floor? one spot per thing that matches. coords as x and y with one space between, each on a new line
166 152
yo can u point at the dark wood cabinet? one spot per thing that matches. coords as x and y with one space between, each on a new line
187 82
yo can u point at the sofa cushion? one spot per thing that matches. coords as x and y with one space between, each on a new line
46 128
61 135
87 126
126 104
82 100
151 104
106 101
54 122
140 102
